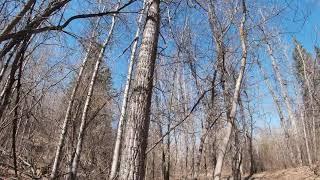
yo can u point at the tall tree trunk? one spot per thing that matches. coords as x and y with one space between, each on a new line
133 156
310 93
117 147
223 146
64 128
204 132
7 89
200 150
186 164
84 115
237 157
14 121
193 151
6 64
165 148
305 137
276 100
250 136
285 95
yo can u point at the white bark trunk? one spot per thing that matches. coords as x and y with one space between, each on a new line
62 137
305 137
285 95
305 74
280 112
223 147
80 138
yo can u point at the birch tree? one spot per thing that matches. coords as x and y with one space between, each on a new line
81 133
285 95
68 114
277 102
305 64
223 146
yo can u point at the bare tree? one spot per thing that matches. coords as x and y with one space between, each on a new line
223 146
121 124
81 133
277 102
133 155
64 127
287 102
310 94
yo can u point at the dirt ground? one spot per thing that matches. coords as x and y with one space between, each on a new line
300 173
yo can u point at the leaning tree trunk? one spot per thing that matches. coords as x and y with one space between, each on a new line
285 95
15 119
64 128
310 94
305 136
11 25
223 147
133 156
117 146
80 138
276 101
7 89
204 132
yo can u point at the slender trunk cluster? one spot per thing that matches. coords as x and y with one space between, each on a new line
81 134
205 130
76 157
285 96
67 117
276 101
310 95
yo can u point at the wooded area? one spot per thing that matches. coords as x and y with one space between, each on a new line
150 89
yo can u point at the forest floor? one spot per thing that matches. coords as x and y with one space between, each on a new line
300 173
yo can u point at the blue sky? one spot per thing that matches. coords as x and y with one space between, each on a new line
307 32
303 24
